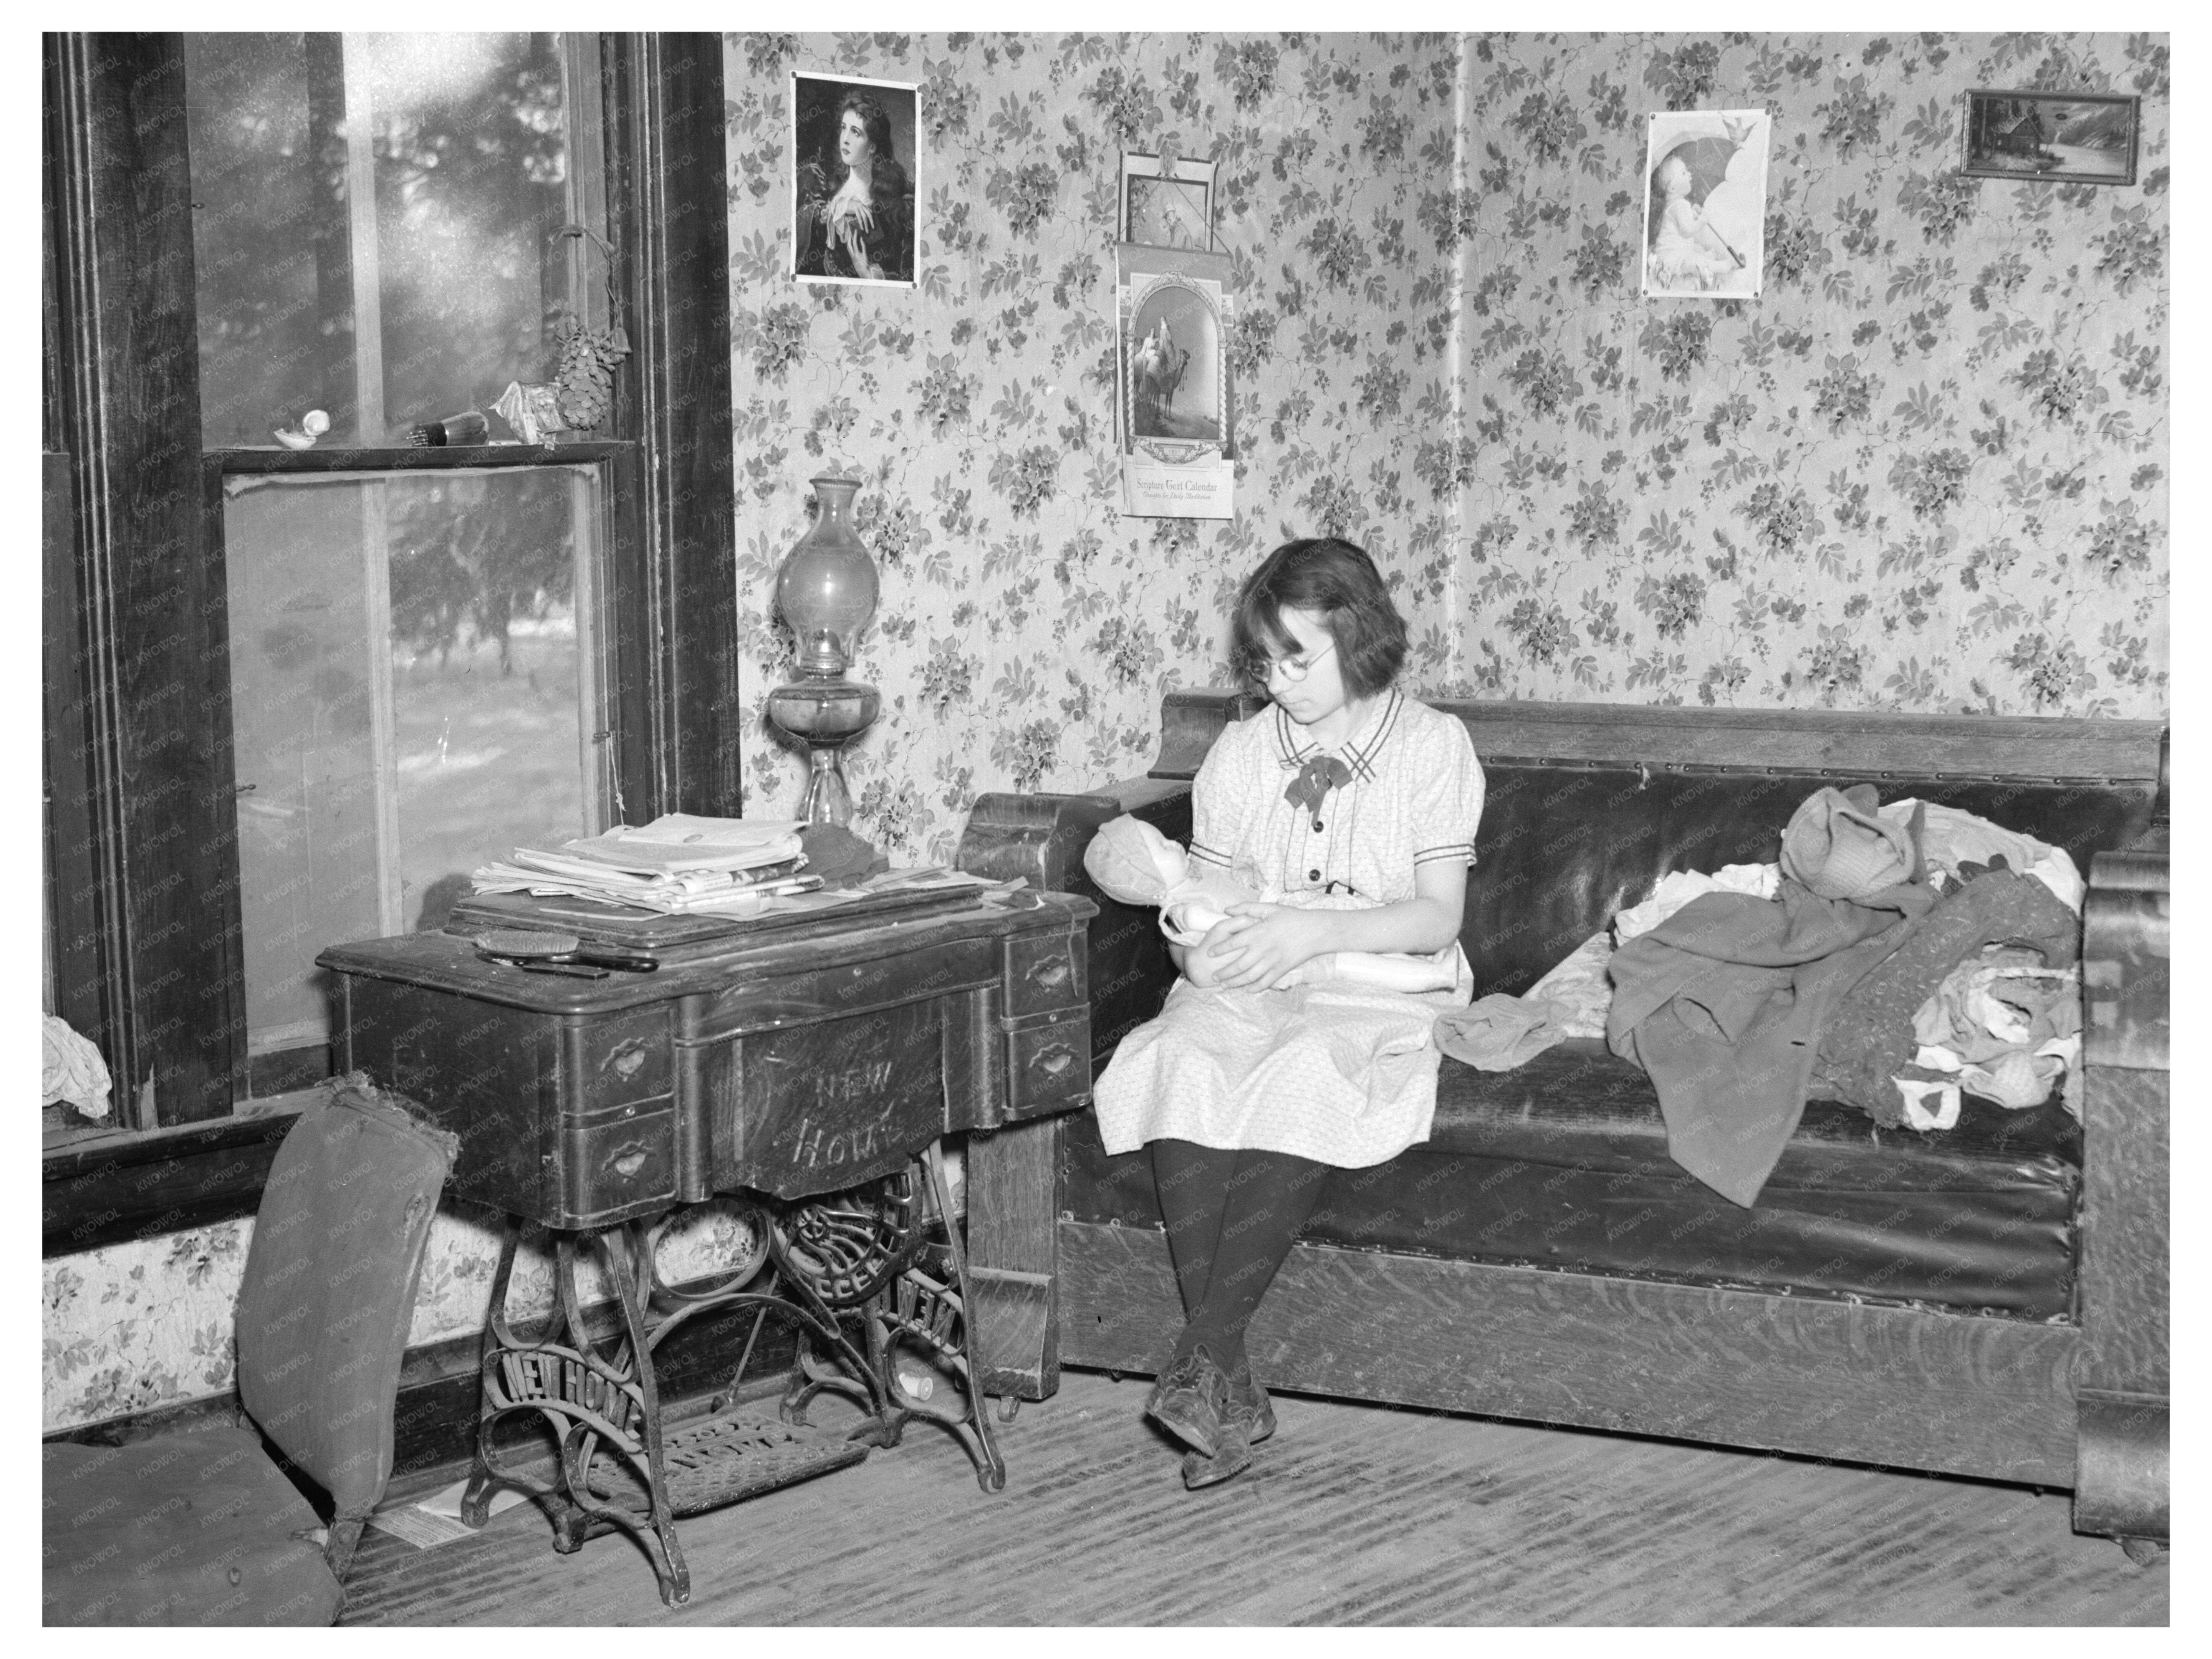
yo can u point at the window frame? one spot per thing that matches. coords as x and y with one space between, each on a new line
140 823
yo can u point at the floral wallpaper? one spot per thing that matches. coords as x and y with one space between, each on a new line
1926 469
149 1323
1027 629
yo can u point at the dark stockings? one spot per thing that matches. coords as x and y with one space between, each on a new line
1232 1216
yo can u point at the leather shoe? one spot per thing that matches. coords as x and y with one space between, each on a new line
1248 1405
1232 1455
1187 1401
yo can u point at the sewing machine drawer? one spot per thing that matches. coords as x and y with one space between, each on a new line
1047 1067
623 1057
617 1162
1045 972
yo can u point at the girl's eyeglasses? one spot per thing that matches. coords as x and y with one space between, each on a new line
1263 669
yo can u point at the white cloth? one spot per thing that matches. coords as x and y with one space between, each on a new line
1949 837
71 1069
1578 989
1339 1073
1917 1093
1678 887
2002 1025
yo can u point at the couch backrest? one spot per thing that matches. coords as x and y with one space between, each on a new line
1561 848
1590 804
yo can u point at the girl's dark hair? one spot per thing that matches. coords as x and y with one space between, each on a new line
1330 576
873 121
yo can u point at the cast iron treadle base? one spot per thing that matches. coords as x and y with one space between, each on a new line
722 1460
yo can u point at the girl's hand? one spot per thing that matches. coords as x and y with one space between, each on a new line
1259 943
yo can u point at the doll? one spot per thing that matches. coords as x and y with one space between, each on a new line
1134 862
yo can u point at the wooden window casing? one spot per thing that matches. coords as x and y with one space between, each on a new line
143 893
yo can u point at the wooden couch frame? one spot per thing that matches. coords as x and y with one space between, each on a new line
2079 1405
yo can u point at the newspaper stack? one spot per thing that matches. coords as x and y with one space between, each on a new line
679 864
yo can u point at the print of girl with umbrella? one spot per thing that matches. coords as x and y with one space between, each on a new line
1707 196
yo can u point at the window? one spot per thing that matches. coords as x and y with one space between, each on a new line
376 223
379 234
415 679
298 693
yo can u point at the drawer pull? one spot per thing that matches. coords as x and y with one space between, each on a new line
1053 1061
626 1059
1050 974
628 1164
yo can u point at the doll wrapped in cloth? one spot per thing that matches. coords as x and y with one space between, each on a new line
1134 862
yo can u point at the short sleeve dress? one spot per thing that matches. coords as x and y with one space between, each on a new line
1339 1073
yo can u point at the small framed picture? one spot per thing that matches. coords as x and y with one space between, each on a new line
1167 205
2064 138
852 177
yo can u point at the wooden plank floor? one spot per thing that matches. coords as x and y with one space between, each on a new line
1350 1514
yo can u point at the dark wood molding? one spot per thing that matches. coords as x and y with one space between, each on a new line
677 650
580 452
127 1187
157 694
1810 740
75 899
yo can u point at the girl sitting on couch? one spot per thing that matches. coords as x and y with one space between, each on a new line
1357 806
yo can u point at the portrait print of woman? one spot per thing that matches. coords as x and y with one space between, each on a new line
853 193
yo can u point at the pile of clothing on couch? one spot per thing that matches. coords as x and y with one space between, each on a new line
1894 957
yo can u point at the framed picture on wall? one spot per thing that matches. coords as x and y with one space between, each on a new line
1167 203
2063 138
853 166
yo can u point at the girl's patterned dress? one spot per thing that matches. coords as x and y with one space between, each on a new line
1339 1073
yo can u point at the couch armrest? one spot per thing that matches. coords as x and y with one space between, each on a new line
1043 837
2122 1380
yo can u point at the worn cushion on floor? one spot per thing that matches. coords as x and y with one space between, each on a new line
329 1287
202 1529
181 1530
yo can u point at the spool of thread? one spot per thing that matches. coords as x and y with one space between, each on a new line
469 427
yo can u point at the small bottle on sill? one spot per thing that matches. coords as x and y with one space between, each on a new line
467 428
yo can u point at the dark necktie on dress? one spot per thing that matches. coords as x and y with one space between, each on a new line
1315 780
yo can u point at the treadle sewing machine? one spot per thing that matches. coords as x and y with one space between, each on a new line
810 1065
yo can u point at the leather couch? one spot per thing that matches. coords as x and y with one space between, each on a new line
1986 1300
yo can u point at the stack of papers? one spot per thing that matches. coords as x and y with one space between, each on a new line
679 864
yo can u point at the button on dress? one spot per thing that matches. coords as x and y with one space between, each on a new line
1341 1073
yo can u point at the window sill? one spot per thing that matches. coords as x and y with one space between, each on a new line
106 1186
